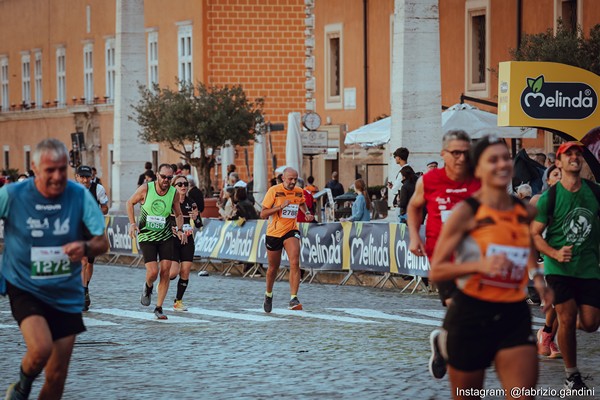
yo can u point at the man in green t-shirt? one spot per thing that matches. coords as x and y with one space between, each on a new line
571 255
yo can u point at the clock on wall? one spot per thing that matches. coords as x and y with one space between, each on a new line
311 121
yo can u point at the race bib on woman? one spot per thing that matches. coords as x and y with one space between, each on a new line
512 276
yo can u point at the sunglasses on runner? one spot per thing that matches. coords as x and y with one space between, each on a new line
180 184
167 177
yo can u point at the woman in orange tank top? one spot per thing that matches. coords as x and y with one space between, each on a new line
486 246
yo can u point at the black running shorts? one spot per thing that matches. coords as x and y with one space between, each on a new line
583 291
61 324
276 243
477 330
184 252
152 251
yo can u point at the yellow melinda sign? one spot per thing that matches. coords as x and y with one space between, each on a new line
548 95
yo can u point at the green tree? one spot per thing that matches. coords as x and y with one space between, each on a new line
206 117
566 47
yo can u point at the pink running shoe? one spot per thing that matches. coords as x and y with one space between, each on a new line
543 342
554 351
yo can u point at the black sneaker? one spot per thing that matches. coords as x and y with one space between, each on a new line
437 363
268 304
575 382
88 301
295 304
13 394
158 311
146 295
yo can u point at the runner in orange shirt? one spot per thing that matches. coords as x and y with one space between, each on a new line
281 205
486 246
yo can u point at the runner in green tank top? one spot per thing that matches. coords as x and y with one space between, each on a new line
155 232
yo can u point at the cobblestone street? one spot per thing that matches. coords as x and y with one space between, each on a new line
349 343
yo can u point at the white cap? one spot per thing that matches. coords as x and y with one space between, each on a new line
240 183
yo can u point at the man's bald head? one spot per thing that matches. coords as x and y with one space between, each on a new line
290 176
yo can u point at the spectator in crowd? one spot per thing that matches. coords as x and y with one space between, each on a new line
540 158
309 200
148 172
524 192
361 208
149 176
409 181
250 190
432 165
550 158
401 157
186 170
195 194
311 187
243 208
22 177
337 189
95 178
226 208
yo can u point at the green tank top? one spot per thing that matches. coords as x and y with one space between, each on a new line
155 224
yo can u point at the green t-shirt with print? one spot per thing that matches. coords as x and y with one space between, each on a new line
575 222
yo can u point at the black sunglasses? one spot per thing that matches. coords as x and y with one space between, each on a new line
167 177
458 153
180 184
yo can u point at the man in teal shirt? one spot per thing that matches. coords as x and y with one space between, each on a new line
50 224
571 255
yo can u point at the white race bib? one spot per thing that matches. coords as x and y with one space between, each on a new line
49 262
512 276
290 211
445 214
187 229
155 223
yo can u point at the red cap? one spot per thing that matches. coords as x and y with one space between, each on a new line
566 146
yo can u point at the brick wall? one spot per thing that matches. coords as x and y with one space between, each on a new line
260 45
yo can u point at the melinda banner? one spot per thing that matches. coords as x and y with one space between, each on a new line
548 95
344 246
334 246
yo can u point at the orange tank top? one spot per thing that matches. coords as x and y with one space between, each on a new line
496 232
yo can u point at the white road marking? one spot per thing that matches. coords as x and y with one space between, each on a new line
96 322
362 312
305 314
148 316
225 314
430 313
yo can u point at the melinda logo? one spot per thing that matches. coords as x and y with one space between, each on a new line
558 100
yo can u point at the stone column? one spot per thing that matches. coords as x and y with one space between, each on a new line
416 84
130 153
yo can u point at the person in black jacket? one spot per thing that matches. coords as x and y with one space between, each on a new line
409 180
142 178
243 207
197 197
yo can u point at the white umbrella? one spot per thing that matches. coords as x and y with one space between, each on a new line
478 123
261 178
460 116
227 157
293 143
371 135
